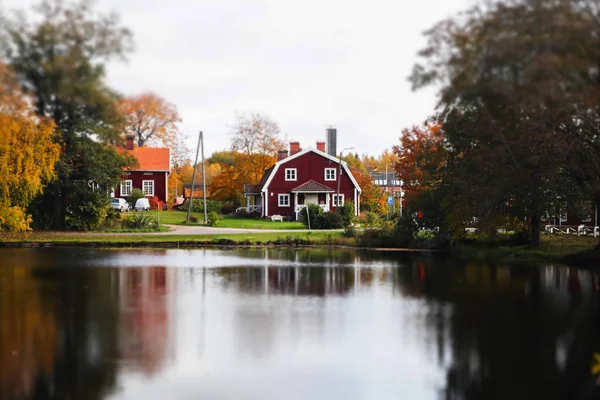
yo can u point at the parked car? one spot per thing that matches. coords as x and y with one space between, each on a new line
120 205
142 204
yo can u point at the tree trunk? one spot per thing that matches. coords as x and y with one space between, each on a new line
536 240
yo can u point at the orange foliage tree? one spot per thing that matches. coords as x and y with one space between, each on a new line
151 119
420 156
229 183
371 198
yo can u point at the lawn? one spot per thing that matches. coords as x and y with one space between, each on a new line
243 238
178 218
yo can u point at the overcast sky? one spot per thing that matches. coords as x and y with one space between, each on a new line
308 64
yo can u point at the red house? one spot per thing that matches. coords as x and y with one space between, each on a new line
152 174
309 176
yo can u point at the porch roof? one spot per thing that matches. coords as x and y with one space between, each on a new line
312 187
252 189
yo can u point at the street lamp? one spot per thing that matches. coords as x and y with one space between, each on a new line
337 197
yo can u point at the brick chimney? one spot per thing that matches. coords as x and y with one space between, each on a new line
294 148
281 154
321 146
129 140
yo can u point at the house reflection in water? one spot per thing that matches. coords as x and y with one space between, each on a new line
144 334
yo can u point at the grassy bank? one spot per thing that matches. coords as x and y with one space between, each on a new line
178 218
561 249
67 238
555 248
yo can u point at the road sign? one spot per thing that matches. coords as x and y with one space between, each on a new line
390 200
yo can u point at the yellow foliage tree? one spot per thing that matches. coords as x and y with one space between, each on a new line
28 155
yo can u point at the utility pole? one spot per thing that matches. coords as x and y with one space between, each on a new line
203 178
187 219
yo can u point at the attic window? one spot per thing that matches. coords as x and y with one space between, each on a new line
290 174
330 174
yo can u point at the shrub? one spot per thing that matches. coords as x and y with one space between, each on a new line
330 220
155 204
88 210
14 219
350 231
346 212
140 221
198 205
314 212
226 208
134 196
213 217
193 219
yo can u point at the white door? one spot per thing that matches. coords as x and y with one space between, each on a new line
311 198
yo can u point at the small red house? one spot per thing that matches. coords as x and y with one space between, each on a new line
152 174
309 176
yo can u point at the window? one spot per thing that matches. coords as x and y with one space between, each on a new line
330 174
284 200
148 188
335 202
290 174
126 188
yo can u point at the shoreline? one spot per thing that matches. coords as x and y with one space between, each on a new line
559 250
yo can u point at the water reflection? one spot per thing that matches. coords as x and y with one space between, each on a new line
291 324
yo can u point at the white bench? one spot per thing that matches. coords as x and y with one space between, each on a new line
276 218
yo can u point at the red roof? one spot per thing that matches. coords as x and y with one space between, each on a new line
150 158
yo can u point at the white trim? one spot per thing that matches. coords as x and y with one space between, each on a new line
334 174
313 191
266 203
130 187
301 153
283 196
147 170
262 202
295 170
334 200
144 189
355 201
167 190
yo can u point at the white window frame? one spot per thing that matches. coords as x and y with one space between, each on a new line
125 185
283 196
334 174
144 188
334 202
290 170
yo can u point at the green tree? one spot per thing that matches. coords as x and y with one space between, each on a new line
512 83
58 56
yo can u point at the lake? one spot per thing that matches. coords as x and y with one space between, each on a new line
292 324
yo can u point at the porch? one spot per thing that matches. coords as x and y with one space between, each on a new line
253 200
311 192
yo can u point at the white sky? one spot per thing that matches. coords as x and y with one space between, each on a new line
308 64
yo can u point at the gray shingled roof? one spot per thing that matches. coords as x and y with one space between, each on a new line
312 186
252 189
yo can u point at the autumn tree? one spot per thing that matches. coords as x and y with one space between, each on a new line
151 119
256 136
28 154
512 83
420 157
58 56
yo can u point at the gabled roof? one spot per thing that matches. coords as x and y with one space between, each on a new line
256 189
312 187
149 158
300 154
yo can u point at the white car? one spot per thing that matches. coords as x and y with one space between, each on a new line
142 204
120 205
